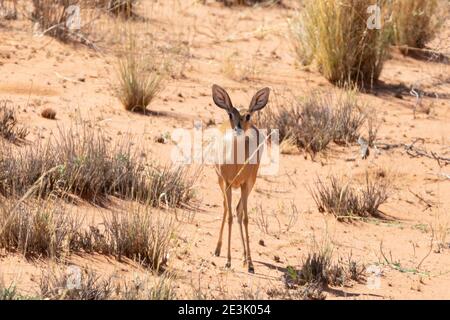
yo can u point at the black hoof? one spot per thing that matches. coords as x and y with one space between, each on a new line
228 265
217 252
251 269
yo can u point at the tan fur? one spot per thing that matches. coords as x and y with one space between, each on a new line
237 175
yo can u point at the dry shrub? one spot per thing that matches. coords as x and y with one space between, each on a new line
80 163
43 229
314 130
318 271
334 34
56 285
416 22
248 2
9 128
48 113
169 187
35 231
142 289
140 76
349 117
316 120
136 234
122 7
8 10
52 17
346 201
66 20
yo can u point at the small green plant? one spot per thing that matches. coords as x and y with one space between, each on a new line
8 292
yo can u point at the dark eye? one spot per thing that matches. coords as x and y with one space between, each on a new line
247 117
230 115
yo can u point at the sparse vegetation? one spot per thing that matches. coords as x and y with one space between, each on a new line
9 128
43 229
52 17
334 34
121 7
416 22
248 2
141 289
140 76
317 120
318 271
80 163
56 285
346 201
35 231
140 236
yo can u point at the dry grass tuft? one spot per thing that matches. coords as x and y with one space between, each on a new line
141 236
43 229
35 231
122 7
334 34
140 76
9 129
53 16
48 113
416 22
249 2
141 289
80 164
346 201
316 120
57 285
318 271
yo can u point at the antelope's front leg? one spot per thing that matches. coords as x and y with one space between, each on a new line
230 223
244 198
225 212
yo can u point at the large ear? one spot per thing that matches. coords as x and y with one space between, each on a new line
259 100
221 97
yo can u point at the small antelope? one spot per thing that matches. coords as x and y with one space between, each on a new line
239 175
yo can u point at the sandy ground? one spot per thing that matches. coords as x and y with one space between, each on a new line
38 72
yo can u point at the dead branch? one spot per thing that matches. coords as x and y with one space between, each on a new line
416 152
